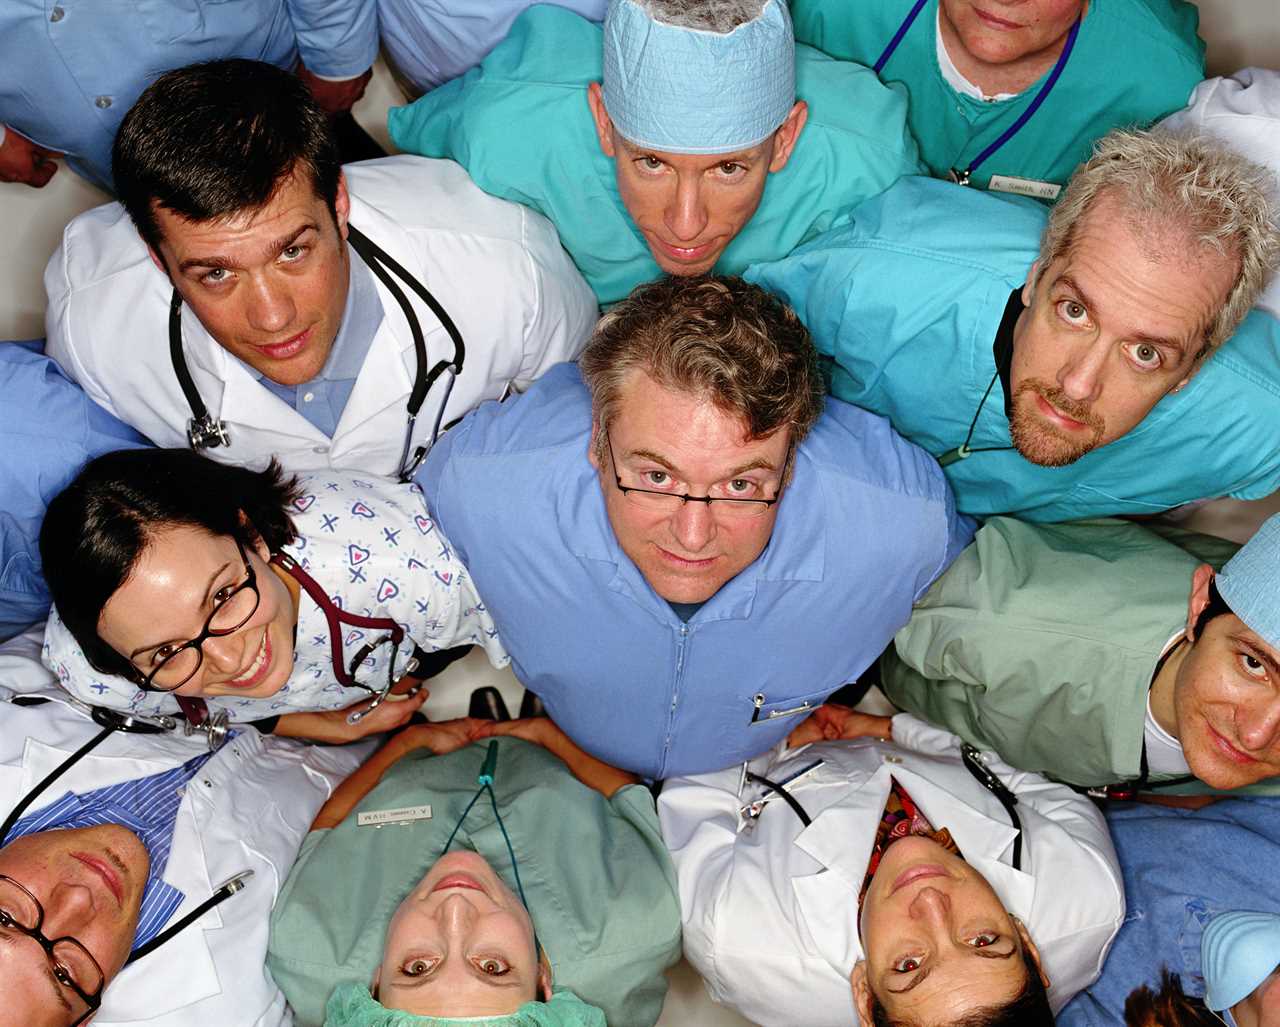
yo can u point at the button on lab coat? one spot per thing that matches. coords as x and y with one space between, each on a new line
770 912
496 267
248 808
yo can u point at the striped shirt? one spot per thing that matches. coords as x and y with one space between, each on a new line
147 806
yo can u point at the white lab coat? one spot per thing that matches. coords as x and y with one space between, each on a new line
770 912
495 266
248 808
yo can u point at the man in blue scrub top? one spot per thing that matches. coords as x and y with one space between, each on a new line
1087 376
680 138
48 430
684 547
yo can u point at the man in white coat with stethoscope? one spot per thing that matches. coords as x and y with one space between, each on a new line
887 873
251 297
120 908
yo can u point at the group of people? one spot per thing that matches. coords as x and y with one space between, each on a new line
711 362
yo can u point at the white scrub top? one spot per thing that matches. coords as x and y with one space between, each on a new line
496 267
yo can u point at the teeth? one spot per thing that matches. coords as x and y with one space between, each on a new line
257 663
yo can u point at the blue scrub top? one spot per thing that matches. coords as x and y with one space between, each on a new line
48 429
906 300
865 525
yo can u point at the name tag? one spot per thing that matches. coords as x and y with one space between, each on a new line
403 815
1024 187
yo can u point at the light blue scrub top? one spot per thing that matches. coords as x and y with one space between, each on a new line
73 68
322 400
48 429
906 300
1134 62
1181 867
521 126
865 525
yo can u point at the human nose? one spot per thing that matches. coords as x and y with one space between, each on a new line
68 908
694 526
686 214
456 914
225 652
930 905
270 305
1080 375
1259 728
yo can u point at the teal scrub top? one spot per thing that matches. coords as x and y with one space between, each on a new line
1134 62
521 126
905 301
600 885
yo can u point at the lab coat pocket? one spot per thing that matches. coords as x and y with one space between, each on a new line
771 707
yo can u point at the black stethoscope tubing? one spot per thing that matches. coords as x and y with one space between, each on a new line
203 432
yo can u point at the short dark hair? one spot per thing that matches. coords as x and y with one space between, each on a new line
1170 1007
98 526
718 336
210 140
1216 606
1029 1008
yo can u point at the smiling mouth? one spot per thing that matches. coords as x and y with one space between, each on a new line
683 561
458 881
994 22
257 670
105 872
1052 413
917 873
685 254
1230 751
291 347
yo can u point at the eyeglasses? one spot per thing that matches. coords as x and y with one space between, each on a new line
669 502
80 978
233 606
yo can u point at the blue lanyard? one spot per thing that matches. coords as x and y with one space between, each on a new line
962 177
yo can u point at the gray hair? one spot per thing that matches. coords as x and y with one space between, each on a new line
1187 183
718 16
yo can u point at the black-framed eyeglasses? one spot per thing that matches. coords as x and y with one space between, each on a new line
737 509
79 978
231 612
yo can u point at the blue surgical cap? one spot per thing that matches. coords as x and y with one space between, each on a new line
1250 582
1238 951
351 1005
683 90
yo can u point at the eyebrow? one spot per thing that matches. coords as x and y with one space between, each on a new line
1153 340
8 940
207 590
227 264
983 953
758 464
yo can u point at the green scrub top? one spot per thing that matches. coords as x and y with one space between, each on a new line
1134 62
600 885
521 126
1041 642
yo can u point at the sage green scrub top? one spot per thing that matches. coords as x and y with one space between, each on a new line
1041 641
1134 62
600 885
521 126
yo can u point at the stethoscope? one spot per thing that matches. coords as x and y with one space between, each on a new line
955 174
974 761
216 730
203 432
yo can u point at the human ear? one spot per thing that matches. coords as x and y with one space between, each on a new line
259 544
342 205
1030 946
604 124
593 447
1199 598
861 991
784 139
1029 287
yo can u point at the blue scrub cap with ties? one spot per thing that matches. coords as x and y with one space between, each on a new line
1250 582
1238 952
684 90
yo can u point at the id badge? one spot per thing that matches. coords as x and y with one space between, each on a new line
1024 187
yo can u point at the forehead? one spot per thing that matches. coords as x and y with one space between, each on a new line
693 161
294 201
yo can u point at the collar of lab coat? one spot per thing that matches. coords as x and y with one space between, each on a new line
842 835
796 550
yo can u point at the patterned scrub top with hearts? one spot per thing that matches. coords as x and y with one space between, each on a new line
373 548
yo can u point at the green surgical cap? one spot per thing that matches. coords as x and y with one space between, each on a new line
351 1005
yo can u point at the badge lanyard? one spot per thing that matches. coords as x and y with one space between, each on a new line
962 451
962 177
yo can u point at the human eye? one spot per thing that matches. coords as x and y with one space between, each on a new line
162 653
1144 356
63 975
649 164
1253 666
740 488
731 169
1073 312
418 966
293 253
215 276
983 939
492 966
907 964
656 478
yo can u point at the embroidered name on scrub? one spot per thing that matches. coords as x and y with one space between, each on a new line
402 815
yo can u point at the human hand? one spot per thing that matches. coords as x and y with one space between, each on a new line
334 97
538 730
831 721
441 738
23 161
386 716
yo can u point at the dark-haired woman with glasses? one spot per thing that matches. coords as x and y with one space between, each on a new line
184 584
